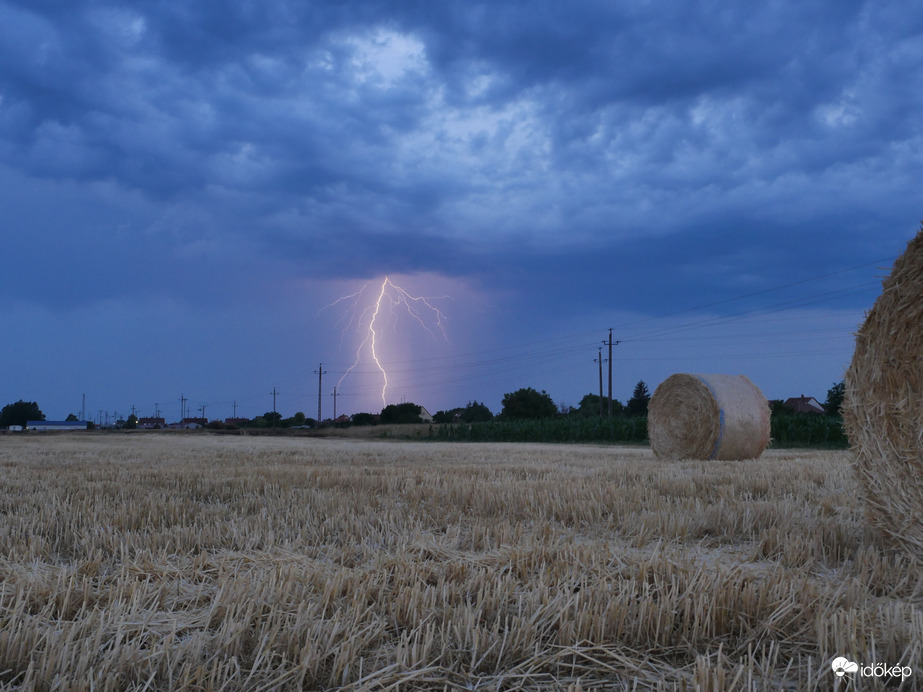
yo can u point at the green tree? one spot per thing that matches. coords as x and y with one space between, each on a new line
401 413
297 420
527 404
272 417
131 423
589 405
640 397
363 419
20 413
72 418
447 416
835 396
777 407
475 412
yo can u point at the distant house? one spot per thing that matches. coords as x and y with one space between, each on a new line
236 421
152 422
193 423
804 404
56 425
425 415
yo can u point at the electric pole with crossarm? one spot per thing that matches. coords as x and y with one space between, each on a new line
274 416
320 372
600 360
611 343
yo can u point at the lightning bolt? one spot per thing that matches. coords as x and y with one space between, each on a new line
373 338
372 322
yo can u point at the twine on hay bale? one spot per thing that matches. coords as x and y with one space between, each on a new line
708 417
883 404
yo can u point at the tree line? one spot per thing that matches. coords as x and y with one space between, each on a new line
528 414
529 404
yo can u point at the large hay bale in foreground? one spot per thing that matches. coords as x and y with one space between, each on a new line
883 406
708 417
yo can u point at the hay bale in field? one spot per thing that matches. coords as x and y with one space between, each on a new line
708 417
883 404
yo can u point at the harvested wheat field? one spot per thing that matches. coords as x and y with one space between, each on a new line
189 561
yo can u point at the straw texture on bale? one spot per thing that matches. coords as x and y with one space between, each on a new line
883 404
708 417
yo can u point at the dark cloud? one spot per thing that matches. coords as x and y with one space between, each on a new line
643 155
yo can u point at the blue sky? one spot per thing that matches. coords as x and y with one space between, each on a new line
185 186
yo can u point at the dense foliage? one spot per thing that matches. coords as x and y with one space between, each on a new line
807 430
640 398
527 404
835 396
474 412
788 430
401 413
20 413
561 429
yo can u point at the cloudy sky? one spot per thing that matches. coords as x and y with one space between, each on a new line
203 199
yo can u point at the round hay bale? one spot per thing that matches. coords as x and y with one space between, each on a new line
883 404
708 417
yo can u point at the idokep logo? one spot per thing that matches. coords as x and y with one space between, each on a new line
843 666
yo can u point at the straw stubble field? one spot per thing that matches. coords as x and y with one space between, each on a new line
188 561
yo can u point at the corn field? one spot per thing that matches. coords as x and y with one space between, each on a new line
787 430
189 561
808 430
571 429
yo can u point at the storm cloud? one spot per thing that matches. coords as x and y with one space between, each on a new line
573 164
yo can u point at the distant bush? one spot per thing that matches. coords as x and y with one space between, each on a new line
220 425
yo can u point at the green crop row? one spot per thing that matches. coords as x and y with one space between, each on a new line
808 430
787 430
594 429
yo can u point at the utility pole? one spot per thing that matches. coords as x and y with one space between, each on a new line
202 409
235 409
274 395
334 395
156 410
133 410
320 372
611 342
182 408
600 360
83 408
